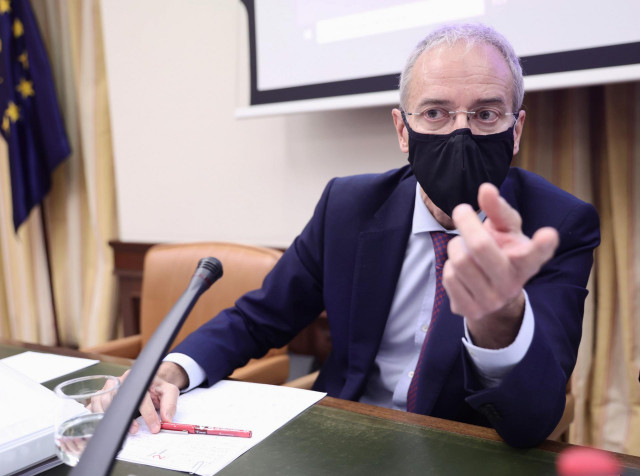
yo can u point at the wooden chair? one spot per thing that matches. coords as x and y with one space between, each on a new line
561 432
166 273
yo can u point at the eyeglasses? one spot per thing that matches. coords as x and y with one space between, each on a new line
484 120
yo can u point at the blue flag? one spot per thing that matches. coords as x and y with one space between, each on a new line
31 120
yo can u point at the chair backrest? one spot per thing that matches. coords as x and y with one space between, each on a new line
169 268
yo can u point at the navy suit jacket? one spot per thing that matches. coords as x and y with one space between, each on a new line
347 261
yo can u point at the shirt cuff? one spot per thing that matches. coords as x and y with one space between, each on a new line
494 364
195 373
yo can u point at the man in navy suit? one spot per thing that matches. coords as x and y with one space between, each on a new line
490 337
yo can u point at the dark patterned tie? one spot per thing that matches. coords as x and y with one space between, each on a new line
440 240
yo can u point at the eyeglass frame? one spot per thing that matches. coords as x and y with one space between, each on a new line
454 114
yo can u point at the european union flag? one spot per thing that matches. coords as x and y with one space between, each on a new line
31 121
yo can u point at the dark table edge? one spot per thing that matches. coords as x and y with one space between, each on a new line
465 429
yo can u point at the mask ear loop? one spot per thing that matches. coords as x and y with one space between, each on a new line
404 119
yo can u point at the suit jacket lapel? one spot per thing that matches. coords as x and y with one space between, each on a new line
379 257
442 351
507 191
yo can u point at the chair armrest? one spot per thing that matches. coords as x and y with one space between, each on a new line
128 347
305 382
561 431
273 370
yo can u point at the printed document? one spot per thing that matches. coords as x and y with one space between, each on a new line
259 408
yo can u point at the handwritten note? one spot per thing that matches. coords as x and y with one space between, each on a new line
241 405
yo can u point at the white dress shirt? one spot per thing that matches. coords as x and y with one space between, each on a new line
407 326
409 320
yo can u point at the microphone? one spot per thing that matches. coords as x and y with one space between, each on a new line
583 461
99 455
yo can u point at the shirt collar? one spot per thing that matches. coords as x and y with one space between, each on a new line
423 220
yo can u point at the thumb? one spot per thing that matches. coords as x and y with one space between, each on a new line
169 394
545 240
167 412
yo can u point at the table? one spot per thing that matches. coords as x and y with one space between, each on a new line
348 438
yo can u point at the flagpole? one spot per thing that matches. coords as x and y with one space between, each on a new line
45 234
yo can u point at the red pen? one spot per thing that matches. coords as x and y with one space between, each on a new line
204 430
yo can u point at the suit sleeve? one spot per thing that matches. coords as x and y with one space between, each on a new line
290 298
528 404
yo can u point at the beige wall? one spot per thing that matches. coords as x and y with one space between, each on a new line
186 169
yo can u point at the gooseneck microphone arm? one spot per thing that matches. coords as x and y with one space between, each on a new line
99 455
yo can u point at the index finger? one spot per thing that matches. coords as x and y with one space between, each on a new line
502 216
149 414
479 243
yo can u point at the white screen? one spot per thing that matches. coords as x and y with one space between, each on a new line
306 49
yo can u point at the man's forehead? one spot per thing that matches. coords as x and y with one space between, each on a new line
472 67
462 58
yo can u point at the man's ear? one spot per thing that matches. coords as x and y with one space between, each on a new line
401 130
517 132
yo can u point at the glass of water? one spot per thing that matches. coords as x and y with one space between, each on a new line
81 405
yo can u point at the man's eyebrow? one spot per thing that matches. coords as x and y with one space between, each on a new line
490 101
499 101
426 102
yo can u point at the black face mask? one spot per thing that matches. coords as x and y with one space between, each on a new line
451 167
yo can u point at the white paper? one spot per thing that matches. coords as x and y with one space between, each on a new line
228 404
26 427
28 407
42 367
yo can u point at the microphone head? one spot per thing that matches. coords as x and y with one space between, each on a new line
582 461
209 269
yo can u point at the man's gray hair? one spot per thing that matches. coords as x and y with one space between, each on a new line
470 33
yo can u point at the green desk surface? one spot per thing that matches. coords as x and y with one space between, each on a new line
327 440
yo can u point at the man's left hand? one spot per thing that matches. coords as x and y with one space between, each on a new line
488 266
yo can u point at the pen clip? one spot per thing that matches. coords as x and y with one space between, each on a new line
176 427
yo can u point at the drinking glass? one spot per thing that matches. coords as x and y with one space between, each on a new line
81 405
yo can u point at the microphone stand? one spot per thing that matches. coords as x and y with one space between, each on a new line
99 455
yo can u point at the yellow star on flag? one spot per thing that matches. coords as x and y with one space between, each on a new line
18 28
5 124
12 112
5 6
0 46
24 60
25 88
